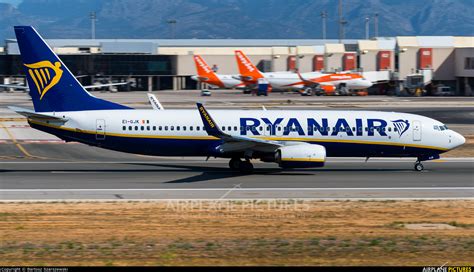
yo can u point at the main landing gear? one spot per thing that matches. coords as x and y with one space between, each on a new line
243 166
419 166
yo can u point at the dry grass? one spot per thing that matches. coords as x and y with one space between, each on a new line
236 233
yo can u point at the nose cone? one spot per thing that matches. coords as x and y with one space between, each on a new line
457 140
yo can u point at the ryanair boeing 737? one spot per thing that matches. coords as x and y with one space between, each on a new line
290 138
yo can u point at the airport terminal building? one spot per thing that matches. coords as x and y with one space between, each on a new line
160 64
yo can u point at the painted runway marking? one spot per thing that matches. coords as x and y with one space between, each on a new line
240 189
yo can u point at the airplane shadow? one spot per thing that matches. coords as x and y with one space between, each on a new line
215 173
208 173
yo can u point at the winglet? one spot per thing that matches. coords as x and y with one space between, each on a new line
209 124
155 103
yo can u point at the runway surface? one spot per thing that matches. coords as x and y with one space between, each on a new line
196 179
38 166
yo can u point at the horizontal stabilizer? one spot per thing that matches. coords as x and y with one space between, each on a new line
30 114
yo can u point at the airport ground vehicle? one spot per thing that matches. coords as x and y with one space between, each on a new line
290 138
205 92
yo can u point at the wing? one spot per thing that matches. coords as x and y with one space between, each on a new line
14 86
105 85
307 82
232 142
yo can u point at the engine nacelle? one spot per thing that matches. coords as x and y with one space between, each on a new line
301 156
328 88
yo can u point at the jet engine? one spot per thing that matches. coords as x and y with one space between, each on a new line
301 156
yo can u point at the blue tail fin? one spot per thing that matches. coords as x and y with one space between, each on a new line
52 86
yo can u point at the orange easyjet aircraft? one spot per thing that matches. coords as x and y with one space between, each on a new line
249 74
207 75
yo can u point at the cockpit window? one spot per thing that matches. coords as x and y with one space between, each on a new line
435 127
441 128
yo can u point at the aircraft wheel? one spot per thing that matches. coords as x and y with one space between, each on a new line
246 167
234 163
419 166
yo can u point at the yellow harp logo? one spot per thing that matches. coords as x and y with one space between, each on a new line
45 75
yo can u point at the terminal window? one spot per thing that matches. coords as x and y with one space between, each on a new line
469 64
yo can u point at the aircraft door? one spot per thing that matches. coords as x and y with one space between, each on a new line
100 129
416 131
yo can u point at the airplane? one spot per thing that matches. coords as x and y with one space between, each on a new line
290 138
207 75
330 82
94 86
249 74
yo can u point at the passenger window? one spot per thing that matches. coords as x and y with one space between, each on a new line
136 127
366 129
235 128
160 128
191 128
197 128
178 128
229 128
389 129
172 127
166 127
395 129
260 128
142 128
154 127
129 127
353 129
124 128
279 128
223 128
147 127
184 128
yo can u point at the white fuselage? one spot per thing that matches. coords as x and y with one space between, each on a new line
230 82
289 80
180 132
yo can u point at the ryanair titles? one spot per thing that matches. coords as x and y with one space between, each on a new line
311 126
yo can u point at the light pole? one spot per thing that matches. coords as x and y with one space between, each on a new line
376 25
172 24
342 23
93 18
324 16
367 27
